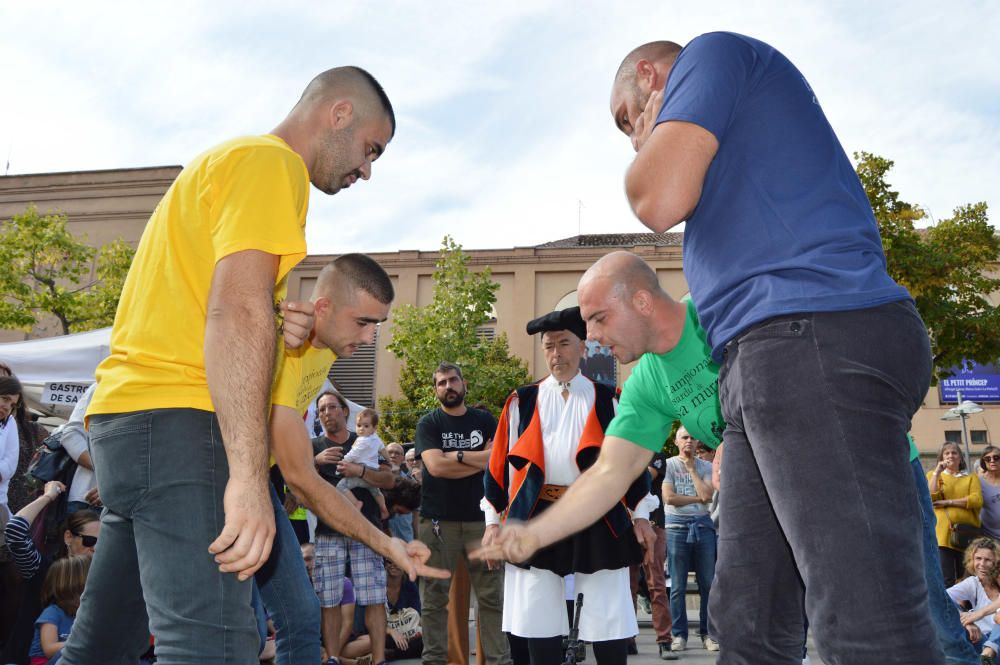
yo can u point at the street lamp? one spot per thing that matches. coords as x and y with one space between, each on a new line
964 409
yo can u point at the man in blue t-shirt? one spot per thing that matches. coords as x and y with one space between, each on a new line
823 357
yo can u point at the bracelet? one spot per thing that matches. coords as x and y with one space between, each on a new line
363 469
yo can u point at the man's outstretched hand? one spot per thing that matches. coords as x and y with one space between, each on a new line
513 542
412 558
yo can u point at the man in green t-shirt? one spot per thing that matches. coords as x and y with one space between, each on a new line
626 310
675 379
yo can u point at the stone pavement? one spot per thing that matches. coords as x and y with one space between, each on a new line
649 653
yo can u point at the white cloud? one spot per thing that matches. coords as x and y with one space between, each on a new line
502 107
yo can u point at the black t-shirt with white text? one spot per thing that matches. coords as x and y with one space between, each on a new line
455 500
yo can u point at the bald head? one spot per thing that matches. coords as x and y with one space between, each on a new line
351 83
625 274
656 52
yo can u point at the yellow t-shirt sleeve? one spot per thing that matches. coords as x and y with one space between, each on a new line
258 200
301 376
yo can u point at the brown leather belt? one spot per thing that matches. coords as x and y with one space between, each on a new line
552 492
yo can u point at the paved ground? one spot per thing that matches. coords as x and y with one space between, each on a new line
648 651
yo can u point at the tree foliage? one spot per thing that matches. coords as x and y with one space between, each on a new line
45 271
948 268
446 330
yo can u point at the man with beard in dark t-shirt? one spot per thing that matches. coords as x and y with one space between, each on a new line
333 548
454 443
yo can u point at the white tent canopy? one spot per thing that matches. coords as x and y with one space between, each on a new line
56 370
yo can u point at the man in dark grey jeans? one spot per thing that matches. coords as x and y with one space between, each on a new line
823 357
178 424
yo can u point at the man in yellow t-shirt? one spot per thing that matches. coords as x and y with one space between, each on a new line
178 425
352 296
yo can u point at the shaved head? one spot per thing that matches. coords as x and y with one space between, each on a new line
351 83
658 52
623 304
624 272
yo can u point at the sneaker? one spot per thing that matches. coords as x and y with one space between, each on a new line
666 653
710 643
678 643
581 652
645 605
806 661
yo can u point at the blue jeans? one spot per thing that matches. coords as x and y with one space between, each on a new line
944 615
682 557
819 511
162 475
288 595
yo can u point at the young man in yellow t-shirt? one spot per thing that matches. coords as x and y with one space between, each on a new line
351 298
178 424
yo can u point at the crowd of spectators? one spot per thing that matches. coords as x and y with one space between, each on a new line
371 612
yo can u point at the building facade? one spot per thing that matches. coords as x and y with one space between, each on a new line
104 205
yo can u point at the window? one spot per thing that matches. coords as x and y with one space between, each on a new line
486 333
355 376
977 437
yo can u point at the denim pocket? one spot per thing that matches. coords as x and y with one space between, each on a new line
785 326
120 447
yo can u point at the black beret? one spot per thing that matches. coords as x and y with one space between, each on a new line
565 319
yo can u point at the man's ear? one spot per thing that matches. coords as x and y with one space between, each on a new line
341 114
645 75
642 301
322 307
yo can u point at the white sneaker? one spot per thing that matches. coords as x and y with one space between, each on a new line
806 661
678 644
710 643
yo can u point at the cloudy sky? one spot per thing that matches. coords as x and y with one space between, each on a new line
504 136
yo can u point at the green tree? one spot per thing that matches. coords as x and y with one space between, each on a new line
947 267
43 269
445 330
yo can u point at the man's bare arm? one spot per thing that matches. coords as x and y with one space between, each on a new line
240 342
587 500
292 450
672 498
446 465
664 182
382 478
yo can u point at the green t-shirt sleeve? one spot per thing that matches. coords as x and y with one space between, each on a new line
642 419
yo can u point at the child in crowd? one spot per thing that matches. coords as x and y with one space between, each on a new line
365 452
61 594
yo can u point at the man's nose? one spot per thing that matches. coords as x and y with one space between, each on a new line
366 170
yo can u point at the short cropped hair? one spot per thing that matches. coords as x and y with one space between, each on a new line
354 272
332 393
443 367
343 78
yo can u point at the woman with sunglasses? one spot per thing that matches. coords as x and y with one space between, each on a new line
989 480
957 497
80 536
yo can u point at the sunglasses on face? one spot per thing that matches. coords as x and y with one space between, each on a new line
86 541
991 458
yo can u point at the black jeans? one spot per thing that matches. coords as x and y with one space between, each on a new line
818 507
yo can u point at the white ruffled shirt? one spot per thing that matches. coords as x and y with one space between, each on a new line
562 422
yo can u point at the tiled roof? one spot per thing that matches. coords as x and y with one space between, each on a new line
617 240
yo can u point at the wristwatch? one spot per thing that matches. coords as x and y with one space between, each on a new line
460 455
